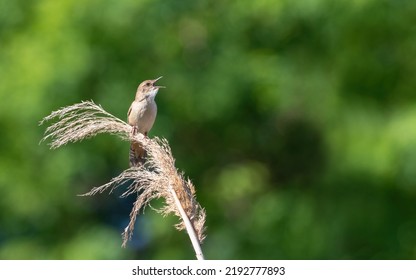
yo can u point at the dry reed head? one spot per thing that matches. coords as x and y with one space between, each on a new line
157 178
80 121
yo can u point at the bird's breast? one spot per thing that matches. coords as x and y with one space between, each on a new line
143 115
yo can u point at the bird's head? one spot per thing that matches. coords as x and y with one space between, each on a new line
148 89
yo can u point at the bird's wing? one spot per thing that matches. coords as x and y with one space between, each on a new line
128 113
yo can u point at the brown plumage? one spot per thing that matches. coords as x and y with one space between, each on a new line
141 116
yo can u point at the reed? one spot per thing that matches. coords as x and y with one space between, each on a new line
156 178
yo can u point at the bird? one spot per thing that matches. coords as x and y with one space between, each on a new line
141 116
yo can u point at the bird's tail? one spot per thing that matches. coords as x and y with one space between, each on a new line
137 154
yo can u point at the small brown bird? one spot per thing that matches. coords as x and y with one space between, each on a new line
141 116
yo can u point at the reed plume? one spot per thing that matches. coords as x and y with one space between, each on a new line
157 178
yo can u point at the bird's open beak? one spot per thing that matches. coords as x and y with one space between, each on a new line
155 80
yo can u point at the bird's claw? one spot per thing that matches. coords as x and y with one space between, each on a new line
134 130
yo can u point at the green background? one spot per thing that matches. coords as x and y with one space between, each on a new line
296 121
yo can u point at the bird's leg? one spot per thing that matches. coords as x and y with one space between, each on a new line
134 130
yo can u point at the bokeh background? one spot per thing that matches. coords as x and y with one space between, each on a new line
296 121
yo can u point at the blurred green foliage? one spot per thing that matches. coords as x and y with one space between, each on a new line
296 120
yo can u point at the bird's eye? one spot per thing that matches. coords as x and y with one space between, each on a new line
148 84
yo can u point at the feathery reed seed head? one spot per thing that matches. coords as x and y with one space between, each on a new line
157 178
